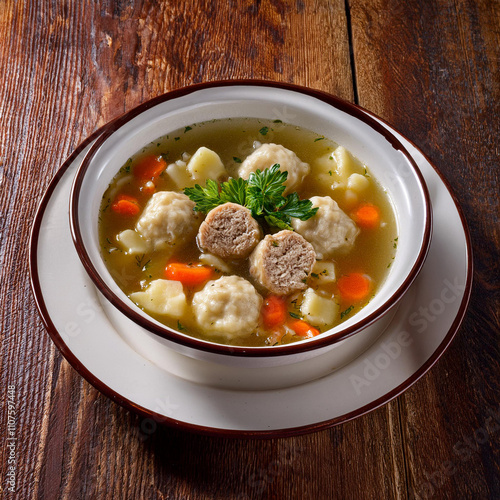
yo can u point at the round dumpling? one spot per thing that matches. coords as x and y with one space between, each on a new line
330 231
168 219
267 155
228 307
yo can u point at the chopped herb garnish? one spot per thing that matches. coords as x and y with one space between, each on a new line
330 157
318 139
293 315
180 326
236 159
139 260
264 130
343 314
314 275
274 243
187 129
277 121
330 172
176 138
109 241
261 193
147 265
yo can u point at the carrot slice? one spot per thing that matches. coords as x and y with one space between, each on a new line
274 311
354 287
149 168
303 329
188 274
367 216
125 205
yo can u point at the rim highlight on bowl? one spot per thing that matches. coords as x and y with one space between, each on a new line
343 122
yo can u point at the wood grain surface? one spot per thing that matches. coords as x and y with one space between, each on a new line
429 68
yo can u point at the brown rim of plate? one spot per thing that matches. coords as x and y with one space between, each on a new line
229 433
160 419
167 333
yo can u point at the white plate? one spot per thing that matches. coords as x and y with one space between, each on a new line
426 322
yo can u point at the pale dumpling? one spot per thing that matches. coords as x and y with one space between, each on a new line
228 307
267 155
330 231
168 219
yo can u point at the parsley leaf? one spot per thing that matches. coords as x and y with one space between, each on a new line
265 190
206 198
234 190
346 312
261 193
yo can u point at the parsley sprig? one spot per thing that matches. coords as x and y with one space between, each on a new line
261 193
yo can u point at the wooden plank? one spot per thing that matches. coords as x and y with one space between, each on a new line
68 67
431 69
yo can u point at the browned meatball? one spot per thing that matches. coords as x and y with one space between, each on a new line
282 262
229 231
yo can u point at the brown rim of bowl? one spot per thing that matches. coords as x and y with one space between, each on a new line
192 342
228 433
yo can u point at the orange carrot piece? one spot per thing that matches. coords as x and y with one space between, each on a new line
125 205
354 287
274 311
303 329
149 168
367 216
188 274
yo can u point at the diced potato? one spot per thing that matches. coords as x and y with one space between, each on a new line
164 297
357 182
132 242
324 168
333 170
179 174
211 260
346 165
325 272
205 164
351 198
318 310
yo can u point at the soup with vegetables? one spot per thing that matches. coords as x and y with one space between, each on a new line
247 232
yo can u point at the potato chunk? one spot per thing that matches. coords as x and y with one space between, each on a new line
163 297
205 164
325 272
132 242
318 310
333 170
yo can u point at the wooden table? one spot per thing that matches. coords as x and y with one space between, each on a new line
429 68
